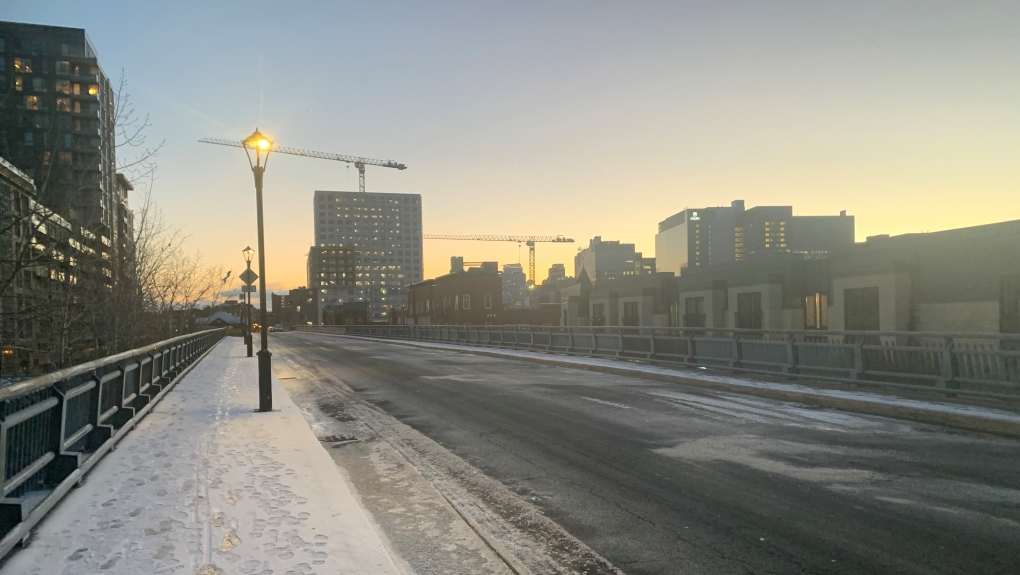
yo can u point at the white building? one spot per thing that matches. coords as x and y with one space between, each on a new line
385 231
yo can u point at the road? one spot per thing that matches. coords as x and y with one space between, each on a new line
664 478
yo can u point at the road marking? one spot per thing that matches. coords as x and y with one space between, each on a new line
603 402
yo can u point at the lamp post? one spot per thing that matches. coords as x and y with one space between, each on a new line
246 298
262 146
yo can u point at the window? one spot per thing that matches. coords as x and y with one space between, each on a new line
749 315
598 314
861 310
63 105
38 84
63 68
19 83
816 311
694 312
67 140
63 86
456 302
93 90
29 138
77 89
630 313
64 157
23 65
31 102
467 301
488 301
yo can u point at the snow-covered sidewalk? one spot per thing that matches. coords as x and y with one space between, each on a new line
206 486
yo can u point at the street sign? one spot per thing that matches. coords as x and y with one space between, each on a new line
249 289
249 277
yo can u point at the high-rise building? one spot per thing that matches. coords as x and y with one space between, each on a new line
557 272
610 260
698 237
58 122
384 230
515 285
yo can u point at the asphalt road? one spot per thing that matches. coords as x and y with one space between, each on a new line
664 478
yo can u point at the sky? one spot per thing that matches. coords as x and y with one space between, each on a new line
568 118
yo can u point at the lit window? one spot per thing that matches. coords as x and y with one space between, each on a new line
23 65
63 86
77 89
64 157
93 90
63 105
32 102
19 83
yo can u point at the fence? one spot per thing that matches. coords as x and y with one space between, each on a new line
54 428
971 364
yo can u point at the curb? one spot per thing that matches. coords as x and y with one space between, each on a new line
993 426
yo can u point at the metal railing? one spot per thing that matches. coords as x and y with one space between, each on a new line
54 428
953 363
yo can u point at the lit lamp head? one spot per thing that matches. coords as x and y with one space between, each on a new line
262 146
248 252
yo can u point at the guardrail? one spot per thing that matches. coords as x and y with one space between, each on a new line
952 363
330 329
54 428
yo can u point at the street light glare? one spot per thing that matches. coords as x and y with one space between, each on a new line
264 144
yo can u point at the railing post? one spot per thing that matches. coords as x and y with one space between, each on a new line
735 338
946 364
651 343
792 356
858 359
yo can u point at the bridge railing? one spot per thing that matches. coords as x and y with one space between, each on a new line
55 427
953 363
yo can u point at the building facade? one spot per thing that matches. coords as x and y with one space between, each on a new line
58 122
699 237
48 264
332 270
385 232
474 297
515 286
603 260
962 281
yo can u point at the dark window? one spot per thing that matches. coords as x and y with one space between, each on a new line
862 309
694 312
630 313
749 315
598 314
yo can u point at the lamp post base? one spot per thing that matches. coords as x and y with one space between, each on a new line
265 380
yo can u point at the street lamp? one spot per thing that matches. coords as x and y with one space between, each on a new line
246 298
262 146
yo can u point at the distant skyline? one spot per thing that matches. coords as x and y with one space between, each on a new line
581 119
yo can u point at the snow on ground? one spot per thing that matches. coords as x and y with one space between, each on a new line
696 374
206 486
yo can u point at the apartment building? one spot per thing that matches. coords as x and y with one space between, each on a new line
385 233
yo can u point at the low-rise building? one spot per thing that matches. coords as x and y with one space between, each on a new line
474 297
964 280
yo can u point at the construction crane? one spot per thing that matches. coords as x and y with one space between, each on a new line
529 241
358 162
